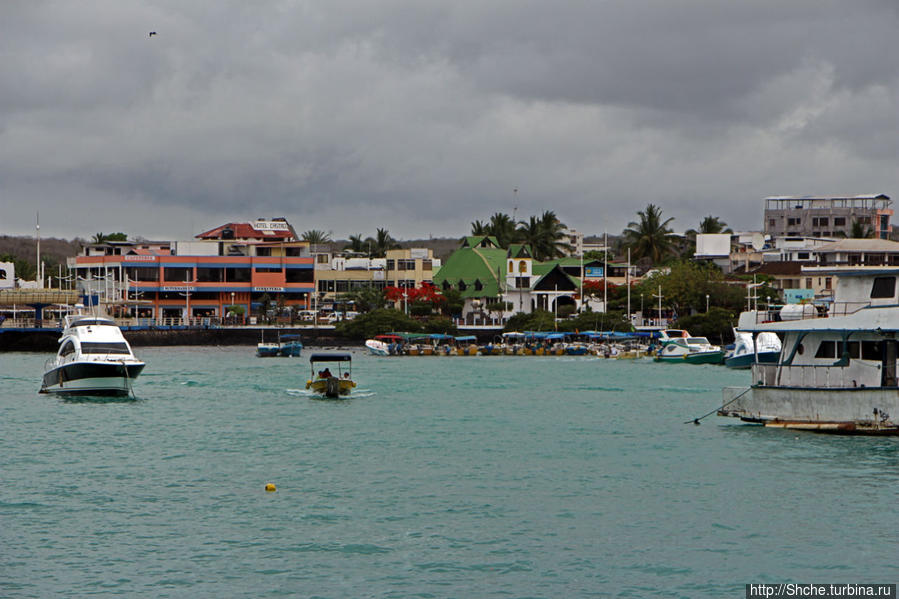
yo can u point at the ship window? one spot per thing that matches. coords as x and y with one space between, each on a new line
827 349
67 349
852 349
884 287
98 347
871 350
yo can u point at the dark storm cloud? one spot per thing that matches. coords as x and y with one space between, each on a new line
425 116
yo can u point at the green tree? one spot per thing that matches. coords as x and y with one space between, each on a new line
357 244
650 237
479 229
316 237
365 299
380 243
860 230
502 226
377 322
454 303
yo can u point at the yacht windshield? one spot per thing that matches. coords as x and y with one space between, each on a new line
96 347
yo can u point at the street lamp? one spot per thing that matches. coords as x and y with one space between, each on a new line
706 302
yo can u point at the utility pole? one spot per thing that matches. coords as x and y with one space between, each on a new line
37 262
605 274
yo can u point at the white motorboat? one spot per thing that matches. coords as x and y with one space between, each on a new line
838 368
93 359
765 349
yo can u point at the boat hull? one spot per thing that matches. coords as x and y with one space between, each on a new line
746 361
91 378
855 410
331 387
712 357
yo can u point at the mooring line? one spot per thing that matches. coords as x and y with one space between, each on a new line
696 420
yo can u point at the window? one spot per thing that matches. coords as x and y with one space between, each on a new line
268 269
322 259
446 286
341 286
772 222
426 265
802 256
478 285
237 275
827 349
299 275
390 264
101 347
210 275
142 273
67 349
325 286
827 283
820 221
851 348
839 221
522 282
794 222
462 286
263 251
884 287
808 283
172 273
871 350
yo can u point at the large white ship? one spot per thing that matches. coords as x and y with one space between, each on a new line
836 371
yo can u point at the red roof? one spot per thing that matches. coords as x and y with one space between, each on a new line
248 231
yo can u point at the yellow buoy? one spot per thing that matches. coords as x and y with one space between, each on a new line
270 487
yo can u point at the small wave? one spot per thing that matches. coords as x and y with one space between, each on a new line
189 383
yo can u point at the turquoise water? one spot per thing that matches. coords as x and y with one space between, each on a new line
443 477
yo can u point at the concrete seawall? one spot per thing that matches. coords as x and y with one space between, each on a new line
47 340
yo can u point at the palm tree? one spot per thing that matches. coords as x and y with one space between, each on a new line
651 237
381 242
860 230
99 238
357 244
503 228
479 229
316 237
545 236
709 225
713 224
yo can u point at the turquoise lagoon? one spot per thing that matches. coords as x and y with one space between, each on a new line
441 477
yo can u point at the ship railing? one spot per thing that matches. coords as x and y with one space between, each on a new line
810 376
810 311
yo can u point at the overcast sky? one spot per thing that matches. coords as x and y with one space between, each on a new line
423 116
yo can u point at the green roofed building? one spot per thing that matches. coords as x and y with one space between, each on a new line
485 273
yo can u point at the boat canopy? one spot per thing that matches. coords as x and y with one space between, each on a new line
330 358
288 336
467 338
514 335
439 336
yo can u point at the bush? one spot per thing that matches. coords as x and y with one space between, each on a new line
377 322
539 320
717 325
440 325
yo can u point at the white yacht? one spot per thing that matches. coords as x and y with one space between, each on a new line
93 359
837 370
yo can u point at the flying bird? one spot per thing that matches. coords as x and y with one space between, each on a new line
152 33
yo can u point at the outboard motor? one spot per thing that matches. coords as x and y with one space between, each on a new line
333 387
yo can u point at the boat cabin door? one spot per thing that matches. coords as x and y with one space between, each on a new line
888 367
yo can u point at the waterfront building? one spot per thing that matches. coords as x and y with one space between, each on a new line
488 275
824 216
236 264
337 273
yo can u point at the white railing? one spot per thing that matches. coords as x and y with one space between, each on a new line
809 376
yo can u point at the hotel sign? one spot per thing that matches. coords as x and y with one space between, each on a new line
269 225
179 288
593 272
140 258
268 289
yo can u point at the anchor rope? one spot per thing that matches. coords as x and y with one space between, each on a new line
696 420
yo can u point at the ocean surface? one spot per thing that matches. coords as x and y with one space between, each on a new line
505 477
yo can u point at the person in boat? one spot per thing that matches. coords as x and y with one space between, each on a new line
346 375
325 374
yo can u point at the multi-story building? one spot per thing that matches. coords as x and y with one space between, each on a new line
818 216
237 264
342 272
